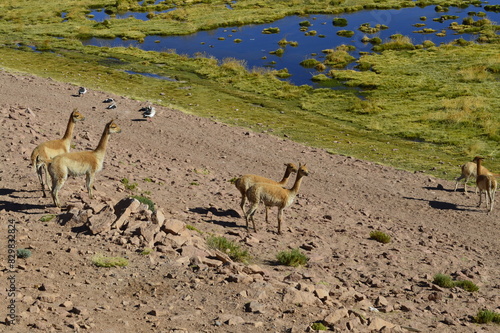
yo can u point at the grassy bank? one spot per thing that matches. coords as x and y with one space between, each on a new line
422 108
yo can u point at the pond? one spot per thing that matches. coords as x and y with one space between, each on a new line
248 43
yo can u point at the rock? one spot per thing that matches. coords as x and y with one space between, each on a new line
158 217
123 209
148 231
335 316
378 323
322 294
254 269
48 297
173 226
254 307
102 221
158 313
381 301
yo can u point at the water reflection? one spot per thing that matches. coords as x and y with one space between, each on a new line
248 43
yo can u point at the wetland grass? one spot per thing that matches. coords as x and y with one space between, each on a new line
404 86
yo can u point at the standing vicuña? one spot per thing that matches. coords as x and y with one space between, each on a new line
246 181
485 182
273 195
469 170
80 163
44 152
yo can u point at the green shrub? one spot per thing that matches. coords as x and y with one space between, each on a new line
23 253
102 261
146 201
271 30
283 73
446 281
309 63
345 33
380 236
146 251
233 250
47 218
467 285
129 186
292 258
279 52
443 281
190 227
320 78
305 24
487 316
319 327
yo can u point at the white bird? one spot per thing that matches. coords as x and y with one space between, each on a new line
81 91
108 100
149 113
111 106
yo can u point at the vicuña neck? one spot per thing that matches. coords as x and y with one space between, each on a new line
101 147
296 185
69 129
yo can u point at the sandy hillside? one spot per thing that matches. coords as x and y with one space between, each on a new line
184 163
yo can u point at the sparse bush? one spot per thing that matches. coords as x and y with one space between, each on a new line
445 281
292 258
190 227
23 253
129 186
319 327
487 316
146 201
467 285
146 251
233 250
380 236
47 218
102 261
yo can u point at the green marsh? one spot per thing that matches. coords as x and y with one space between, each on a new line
421 108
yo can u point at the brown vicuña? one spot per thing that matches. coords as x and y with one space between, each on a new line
44 152
486 182
273 195
80 163
246 181
469 170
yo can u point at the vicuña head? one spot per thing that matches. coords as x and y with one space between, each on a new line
50 149
80 163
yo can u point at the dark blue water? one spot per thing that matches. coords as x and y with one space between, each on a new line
255 46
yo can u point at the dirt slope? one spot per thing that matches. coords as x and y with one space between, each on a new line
185 163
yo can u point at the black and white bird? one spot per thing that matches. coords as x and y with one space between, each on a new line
149 112
108 100
111 106
82 91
